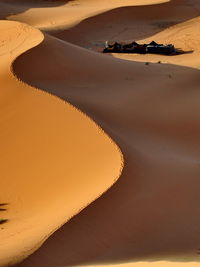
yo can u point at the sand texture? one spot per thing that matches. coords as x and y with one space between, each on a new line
57 94
51 153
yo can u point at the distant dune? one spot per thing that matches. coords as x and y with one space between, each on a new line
57 160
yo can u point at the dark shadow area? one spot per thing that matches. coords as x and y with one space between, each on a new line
181 52
13 7
129 23
2 221
3 204
2 209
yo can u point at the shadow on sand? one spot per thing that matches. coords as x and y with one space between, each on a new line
2 221
128 23
13 7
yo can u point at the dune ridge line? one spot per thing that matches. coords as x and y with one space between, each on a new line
10 255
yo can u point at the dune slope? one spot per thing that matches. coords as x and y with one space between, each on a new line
156 201
124 23
54 159
61 14
151 110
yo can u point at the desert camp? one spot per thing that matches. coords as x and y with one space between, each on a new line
134 47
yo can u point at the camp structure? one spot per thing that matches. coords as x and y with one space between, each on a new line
154 48
134 47
114 47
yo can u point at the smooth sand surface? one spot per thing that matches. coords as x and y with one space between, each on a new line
54 159
151 111
56 14
150 264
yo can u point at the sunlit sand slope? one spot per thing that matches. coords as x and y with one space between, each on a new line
60 14
152 111
54 159
148 264
151 264
131 22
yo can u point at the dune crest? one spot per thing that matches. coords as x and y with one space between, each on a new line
151 215
48 15
54 159
152 111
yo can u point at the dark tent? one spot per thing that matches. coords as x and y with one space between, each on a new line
153 43
134 47
134 43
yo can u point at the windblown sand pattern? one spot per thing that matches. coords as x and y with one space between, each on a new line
74 121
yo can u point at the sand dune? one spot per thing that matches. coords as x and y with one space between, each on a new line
150 217
152 212
48 15
51 154
174 22
132 23
152 264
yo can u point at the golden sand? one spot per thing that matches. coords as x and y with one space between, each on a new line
51 154
56 160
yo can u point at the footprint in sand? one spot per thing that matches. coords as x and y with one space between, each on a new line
2 208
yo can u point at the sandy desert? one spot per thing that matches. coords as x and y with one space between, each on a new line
100 153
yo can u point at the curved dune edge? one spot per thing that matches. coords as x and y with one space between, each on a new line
192 158
171 22
40 131
150 264
162 138
65 14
